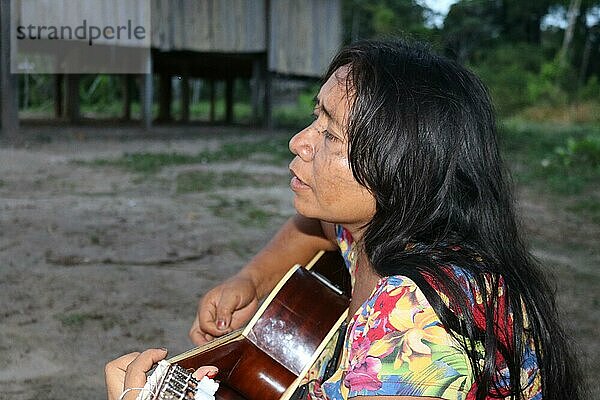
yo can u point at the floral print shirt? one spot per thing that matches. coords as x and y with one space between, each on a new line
396 345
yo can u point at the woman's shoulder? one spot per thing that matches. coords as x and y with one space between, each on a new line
398 345
467 268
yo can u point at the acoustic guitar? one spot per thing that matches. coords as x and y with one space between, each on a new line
268 359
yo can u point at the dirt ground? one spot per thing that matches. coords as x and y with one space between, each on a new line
96 261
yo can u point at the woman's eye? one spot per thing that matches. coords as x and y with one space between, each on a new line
329 136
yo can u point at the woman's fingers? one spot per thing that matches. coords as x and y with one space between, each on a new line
114 373
129 371
135 375
223 309
209 370
122 362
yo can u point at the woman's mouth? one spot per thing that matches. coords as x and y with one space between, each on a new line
297 183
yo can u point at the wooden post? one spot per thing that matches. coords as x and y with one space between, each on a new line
146 92
211 85
229 85
185 97
126 80
268 116
165 97
72 100
9 94
257 88
59 95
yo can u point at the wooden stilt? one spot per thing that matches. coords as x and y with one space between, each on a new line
126 80
185 98
147 91
58 95
257 85
211 85
9 93
268 115
229 85
165 97
72 98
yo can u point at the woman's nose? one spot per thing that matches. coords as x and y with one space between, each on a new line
302 145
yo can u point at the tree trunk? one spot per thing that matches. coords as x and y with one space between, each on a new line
572 15
585 60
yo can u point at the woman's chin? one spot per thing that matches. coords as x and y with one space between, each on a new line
303 208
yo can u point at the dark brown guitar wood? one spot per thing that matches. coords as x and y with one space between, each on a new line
272 352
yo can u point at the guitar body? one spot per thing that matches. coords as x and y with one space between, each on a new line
270 356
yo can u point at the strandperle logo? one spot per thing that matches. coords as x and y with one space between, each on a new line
82 32
80 36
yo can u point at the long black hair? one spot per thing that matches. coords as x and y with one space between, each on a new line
422 139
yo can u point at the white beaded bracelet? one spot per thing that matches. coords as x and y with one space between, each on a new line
122 396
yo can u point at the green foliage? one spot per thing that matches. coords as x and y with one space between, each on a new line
582 152
383 19
35 91
551 85
591 90
556 159
507 70
100 90
76 320
298 115
364 19
244 212
468 26
561 162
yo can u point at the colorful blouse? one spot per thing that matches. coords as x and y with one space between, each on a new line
396 345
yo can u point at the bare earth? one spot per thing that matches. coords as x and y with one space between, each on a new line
96 261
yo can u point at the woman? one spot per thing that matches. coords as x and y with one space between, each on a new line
400 170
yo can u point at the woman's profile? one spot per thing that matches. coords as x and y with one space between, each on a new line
400 171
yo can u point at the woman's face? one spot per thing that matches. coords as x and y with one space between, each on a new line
322 181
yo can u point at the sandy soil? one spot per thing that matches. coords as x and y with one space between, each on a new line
96 261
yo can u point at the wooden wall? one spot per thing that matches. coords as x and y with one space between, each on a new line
304 36
228 26
300 39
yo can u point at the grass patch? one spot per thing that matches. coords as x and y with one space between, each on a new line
559 161
243 211
273 150
144 162
77 320
200 181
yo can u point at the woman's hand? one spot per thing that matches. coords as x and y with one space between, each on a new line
231 305
224 308
129 371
